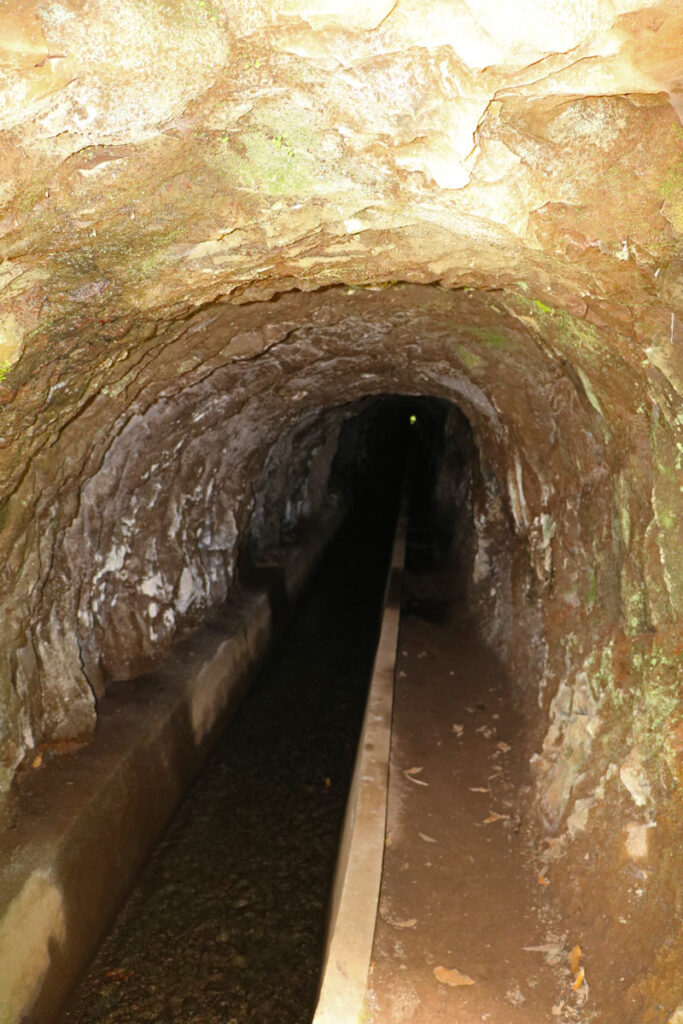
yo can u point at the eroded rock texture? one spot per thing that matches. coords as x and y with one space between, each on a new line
223 222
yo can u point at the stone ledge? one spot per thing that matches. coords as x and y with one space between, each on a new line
80 827
355 896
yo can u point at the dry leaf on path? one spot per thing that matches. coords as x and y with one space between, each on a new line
418 782
505 747
451 976
579 979
478 789
414 771
494 816
458 729
427 839
575 959
410 922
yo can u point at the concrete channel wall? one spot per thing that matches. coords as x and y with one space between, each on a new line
355 897
79 827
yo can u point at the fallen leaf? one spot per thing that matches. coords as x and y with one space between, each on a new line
458 729
451 976
542 880
427 839
579 979
503 746
575 959
410 922
494 816
478 789
418 782
414 771
37 761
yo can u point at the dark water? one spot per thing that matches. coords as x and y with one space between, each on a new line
227 923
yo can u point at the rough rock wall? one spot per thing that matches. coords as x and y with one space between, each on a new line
295 480
220 217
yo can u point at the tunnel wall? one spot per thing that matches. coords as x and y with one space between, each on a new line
149 542
82 830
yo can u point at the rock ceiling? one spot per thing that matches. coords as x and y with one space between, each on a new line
158 156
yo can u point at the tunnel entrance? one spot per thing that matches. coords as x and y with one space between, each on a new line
228 920
433 442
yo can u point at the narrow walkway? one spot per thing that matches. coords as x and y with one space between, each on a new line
227 924
461 903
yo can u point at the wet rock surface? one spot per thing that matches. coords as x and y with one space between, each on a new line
227 923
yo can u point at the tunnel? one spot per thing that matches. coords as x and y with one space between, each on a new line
269 273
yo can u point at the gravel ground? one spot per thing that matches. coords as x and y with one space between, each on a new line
227 923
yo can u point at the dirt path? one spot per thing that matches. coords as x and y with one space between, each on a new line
465 930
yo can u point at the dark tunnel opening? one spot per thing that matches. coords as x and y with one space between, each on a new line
430 443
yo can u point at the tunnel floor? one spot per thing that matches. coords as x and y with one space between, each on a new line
466 929
227 923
